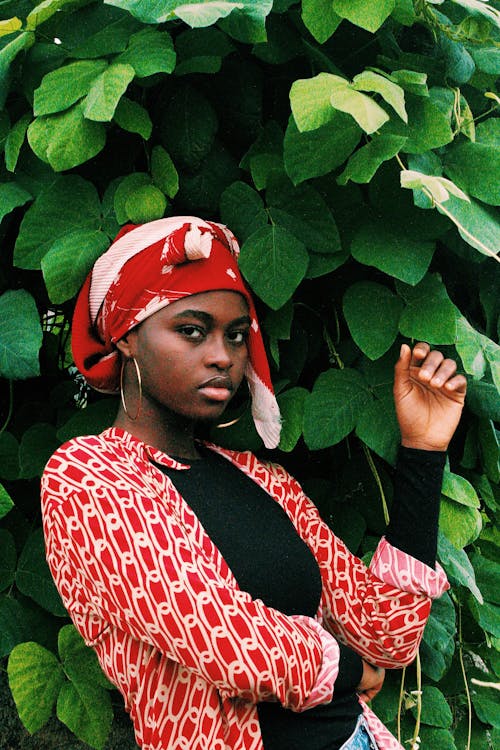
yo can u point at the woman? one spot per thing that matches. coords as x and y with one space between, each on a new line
222 607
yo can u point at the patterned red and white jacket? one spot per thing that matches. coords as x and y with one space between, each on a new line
191 653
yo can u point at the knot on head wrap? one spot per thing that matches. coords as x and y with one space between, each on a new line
148 267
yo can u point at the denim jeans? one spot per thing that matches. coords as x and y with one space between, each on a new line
361 738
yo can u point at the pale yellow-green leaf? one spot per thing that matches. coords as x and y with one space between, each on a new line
10 25
368 114
391 92
310 99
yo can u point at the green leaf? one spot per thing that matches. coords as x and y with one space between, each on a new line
89 421
274 262
428 127
201 51
483 399
124 190
487 572
460 523
378 428
79 661
163 172
12 196
372 313
35 679
86 710
248 22
106 91
8 554
438 644
314 154
368 114
42 12
393 94
305 214
147 203
458 566
487 59
69 260
242 209
14 628
438 738
6 502
364 163
19 354
465 162
477 224
149 51
64 86
67 204
131 116
334 407
8 53
291 405
320 19
97 30
10 25
9 460
459 489
365 13
429 315
490 449
435 709
190 125
392 250
310 100
66 140
15 140
33 577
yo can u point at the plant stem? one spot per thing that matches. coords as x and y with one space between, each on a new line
400 702
11 406
464 675
415 740
376 476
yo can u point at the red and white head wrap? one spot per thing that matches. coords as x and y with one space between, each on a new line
146 268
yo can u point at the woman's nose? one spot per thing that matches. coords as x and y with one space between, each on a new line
219 353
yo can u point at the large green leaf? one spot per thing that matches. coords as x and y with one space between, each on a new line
457 565
14 628
8 558
89 421
310 100
33 576
106 91
35 679
8 53
460 523
372 313
67 204
435 709
429 315
438 643
392 250
67 139
274 262
364 163
15 140
320 18
62 87
69 260
144 204
364 13
190 125
475 167
428 126
9 456
312 154
393 94
37 445
201 51
79 661
378 428
337 401
12 196
148 52
86 710
459 489
163 172
243 210
19 354
132 116
291 405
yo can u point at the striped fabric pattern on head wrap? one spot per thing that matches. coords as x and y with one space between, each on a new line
146 268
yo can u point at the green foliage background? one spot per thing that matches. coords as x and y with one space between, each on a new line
353 147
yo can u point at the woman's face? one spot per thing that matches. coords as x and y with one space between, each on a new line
192 354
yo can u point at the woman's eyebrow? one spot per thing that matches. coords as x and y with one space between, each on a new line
205 317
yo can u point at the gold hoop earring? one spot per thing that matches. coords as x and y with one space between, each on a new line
139 387
228 424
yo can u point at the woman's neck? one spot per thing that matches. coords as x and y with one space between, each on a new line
169 433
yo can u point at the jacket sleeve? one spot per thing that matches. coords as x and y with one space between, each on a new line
118 554
380 611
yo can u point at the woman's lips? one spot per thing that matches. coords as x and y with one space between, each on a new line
217 389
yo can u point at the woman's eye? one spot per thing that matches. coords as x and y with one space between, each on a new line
191 332
238 337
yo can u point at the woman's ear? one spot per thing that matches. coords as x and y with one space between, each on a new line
125 345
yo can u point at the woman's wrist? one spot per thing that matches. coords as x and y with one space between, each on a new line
422 445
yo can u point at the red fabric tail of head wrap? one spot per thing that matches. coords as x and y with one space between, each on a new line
148 267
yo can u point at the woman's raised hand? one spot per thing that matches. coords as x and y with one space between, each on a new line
429 397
